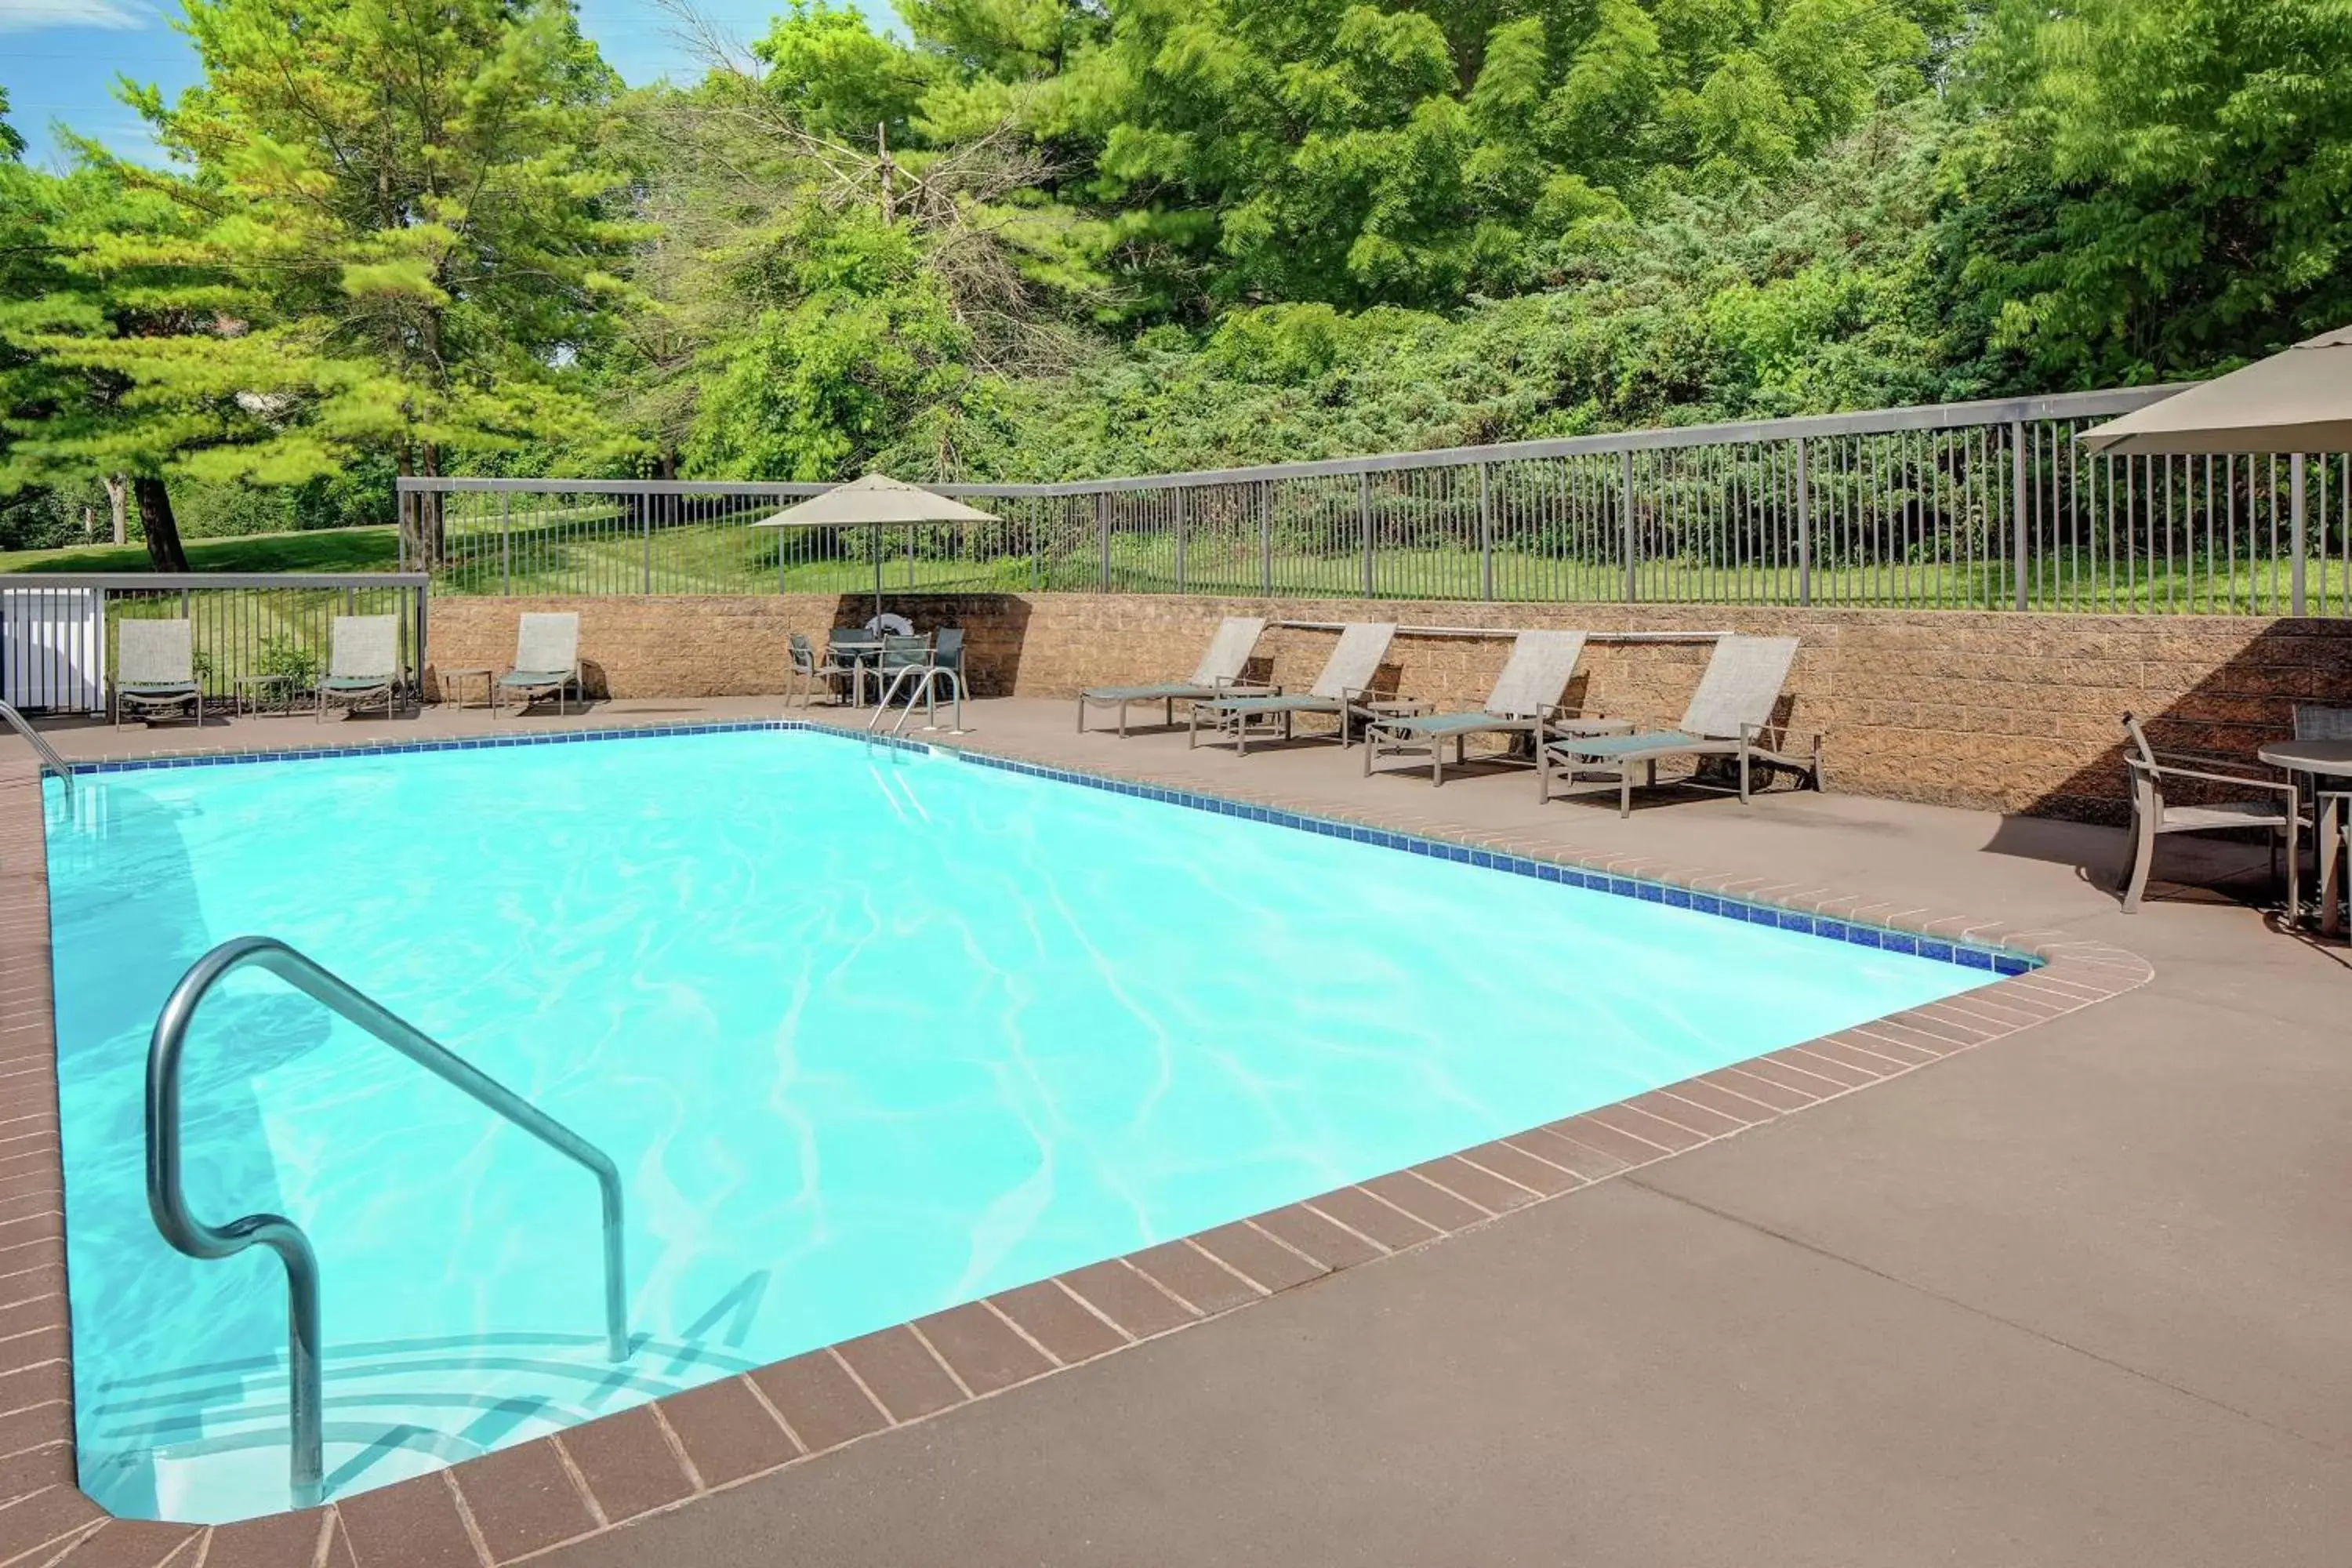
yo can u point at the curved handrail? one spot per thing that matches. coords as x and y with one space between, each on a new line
50 761
168 1202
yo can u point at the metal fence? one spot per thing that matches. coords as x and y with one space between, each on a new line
1988 505
261 637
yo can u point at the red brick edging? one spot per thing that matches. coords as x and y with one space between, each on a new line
508 1506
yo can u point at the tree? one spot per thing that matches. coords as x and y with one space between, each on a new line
2158 186
74 313
407 203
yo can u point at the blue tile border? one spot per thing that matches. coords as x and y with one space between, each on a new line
1859 933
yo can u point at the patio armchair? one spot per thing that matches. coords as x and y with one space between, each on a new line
2263 802
155 671
1219 674
811 670
1524 695
546 660
363 664
1730 716
1343 691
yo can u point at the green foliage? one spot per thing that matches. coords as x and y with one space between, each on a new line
1037 239
2159 187
830 72
853 340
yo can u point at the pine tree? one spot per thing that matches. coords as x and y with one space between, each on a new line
396 211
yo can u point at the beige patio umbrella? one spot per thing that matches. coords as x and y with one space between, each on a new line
2299 401
875 500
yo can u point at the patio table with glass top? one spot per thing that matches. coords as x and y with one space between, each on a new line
2322 760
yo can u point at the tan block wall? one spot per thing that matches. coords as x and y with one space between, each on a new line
2005 711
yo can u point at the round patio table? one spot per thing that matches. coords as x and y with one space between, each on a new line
2324 761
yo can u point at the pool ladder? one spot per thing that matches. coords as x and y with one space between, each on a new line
50 761
167 1201
926 686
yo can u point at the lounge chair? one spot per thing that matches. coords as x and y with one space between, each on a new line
155 671
1219 675
363 664
1344 690
547 658
2266 802
1730 715
1524 695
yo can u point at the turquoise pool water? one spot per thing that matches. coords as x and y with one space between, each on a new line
868 1032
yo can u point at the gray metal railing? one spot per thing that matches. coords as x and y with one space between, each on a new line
168 1203
47 754
57 629
1988 505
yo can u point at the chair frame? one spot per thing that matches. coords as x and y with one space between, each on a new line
556 681
2147 768
809 670
352 698
162 696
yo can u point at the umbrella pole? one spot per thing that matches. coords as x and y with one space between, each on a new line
877 572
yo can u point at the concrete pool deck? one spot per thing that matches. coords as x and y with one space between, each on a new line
2079 1295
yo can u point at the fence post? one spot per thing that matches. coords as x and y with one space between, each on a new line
400 530
506 547
1183 512
2295 518
781 534
1364 511
1102 528
1625 509
1266 537
1485 535
645 512
424 592
2017 535
1804 528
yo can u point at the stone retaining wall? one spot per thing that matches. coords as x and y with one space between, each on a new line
2005 711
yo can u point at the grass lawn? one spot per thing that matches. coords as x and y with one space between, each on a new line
322 549
582 551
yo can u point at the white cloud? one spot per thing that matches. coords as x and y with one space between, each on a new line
37 15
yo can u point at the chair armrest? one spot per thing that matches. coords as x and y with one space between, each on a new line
2273 787
2212 760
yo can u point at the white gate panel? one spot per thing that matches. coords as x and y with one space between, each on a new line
53 649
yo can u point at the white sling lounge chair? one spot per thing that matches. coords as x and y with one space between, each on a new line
1730 715
547 658
1524 694
155 671
363 663
1219 675
1344 690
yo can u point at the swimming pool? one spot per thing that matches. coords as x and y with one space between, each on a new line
869 1032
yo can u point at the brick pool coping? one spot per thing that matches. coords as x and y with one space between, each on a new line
515 1503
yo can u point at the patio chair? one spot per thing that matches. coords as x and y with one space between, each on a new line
546 660
1344 691
1730 716
2263 802
899 654
155 671
363 664
1524 695
809 672
2330 799
1219 674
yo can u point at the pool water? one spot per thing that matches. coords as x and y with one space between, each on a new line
868 1032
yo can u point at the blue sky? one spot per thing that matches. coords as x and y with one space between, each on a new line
59 58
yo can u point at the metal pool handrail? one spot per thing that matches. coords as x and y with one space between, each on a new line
168 1202
50 761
